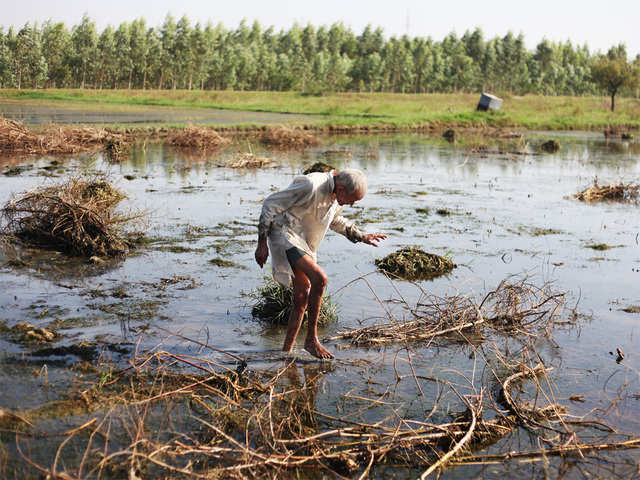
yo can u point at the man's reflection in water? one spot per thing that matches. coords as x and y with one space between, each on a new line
303 393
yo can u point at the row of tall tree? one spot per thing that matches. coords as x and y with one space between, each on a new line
181 55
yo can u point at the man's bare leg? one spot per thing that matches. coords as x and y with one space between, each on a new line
300 297
318 280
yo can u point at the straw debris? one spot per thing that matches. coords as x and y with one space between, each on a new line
517 307
249 160
76 217
288 137
16 138
413 263
200 138
597 193
273 303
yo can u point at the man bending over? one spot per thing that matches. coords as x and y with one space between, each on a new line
292 225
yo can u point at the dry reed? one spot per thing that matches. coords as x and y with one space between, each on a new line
597 193
16 138
200 138
511 307
246 424
76 216
288 137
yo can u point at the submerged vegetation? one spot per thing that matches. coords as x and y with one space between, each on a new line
413 263
272 303
76 216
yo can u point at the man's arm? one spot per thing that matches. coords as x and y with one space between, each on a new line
344 227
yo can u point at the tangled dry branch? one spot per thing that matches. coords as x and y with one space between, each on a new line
511 307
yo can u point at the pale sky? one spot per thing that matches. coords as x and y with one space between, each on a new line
600 24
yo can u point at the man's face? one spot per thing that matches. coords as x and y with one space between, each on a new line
344 198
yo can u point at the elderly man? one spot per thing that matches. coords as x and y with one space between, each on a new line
292 225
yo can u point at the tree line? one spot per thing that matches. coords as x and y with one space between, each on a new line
179 55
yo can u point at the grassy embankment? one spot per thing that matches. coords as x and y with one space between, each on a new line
397 111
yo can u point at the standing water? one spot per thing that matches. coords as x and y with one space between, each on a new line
498 216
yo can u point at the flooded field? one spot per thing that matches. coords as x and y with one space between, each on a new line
498 216
37 113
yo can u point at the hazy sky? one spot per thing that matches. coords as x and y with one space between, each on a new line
600 24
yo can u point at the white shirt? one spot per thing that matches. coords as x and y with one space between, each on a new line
299 216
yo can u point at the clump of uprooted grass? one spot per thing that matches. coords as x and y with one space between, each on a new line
76 216
273 303
319 167
200 138
597 193
413 263
16 138
513 307
288 137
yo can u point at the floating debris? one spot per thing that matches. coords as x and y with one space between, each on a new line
413 263
601 246
117 150
450 135
288 137
273 303
75 217
200 138
631 309
16 138
249 160
319 167
550 146
597 193
511 307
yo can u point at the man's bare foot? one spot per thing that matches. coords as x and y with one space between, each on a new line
317 350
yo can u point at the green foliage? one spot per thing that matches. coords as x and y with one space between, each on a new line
272 303
315 60
613 72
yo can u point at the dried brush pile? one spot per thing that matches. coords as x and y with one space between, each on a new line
597 193
273 303
288 138
76 217
513 308
249 160
413 263
16 138
200 138
243 424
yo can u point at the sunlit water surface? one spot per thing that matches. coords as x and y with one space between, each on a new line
509 215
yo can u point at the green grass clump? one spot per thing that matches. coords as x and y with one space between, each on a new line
273 303
413 263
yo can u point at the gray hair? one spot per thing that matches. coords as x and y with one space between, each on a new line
352 180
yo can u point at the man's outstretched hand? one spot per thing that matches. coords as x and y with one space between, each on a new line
373 238
262 253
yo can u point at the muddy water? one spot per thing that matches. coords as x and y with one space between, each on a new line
37 113
505 215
